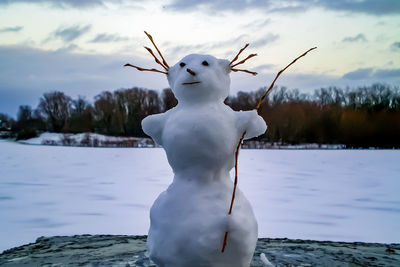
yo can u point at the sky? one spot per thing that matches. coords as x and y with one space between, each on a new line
80 46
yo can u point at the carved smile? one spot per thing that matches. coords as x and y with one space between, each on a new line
190 83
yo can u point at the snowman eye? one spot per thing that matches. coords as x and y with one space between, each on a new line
182 64
204 63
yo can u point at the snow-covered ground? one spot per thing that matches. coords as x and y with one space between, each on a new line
346 195
87 140
99 140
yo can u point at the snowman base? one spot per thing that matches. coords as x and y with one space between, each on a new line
188 222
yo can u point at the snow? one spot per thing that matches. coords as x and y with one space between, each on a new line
87 139
44 137
341 195
265 261
98 140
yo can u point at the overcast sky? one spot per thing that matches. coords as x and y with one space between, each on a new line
79 46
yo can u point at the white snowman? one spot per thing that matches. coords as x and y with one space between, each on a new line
199 136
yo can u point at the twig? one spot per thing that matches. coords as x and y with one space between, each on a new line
236 171
224 244
244 60
143 69
234 186
237 56
279 73
247 71
155 58
151 39
244 133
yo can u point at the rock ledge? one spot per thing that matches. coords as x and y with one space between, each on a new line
118 250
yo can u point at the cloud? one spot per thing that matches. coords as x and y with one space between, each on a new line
205 48
68 34
387 73
258 24
11 29
237 42
241 39
26 73
108 38
371 73
238 5
181 50
358 38
396 45
265 40
68 48
263 67
359 74
61 3
371 7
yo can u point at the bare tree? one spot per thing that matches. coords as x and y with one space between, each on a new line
168 99
56 108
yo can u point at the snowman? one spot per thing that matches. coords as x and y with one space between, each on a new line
189 221
199 136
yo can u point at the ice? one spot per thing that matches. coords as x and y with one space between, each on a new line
339 195
188 221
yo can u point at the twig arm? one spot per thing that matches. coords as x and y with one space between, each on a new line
277 76
244 133
237 55
152 41
143 69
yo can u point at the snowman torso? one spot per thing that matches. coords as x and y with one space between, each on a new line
202 141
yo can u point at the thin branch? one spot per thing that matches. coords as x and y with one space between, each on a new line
224 243
151 39
236 171
279 73
237 56
244 133
244 60
247 71
234 186
142 69
155 58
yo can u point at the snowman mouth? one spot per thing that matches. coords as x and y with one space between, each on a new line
190 83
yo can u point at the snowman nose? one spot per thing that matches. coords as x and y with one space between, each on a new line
191 72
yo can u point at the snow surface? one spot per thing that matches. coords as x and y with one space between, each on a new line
342 195
44 137
99 140
87 139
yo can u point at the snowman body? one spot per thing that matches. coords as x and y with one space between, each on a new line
200 135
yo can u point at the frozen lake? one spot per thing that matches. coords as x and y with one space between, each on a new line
341 195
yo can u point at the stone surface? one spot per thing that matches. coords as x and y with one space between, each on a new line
116 250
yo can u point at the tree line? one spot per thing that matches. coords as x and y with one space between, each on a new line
366 116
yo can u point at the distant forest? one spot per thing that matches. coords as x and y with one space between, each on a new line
360 117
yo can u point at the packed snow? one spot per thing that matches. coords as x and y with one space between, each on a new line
343 195
200 136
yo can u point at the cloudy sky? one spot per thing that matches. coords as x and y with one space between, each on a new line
79 46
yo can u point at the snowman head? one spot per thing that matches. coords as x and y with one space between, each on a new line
200 78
